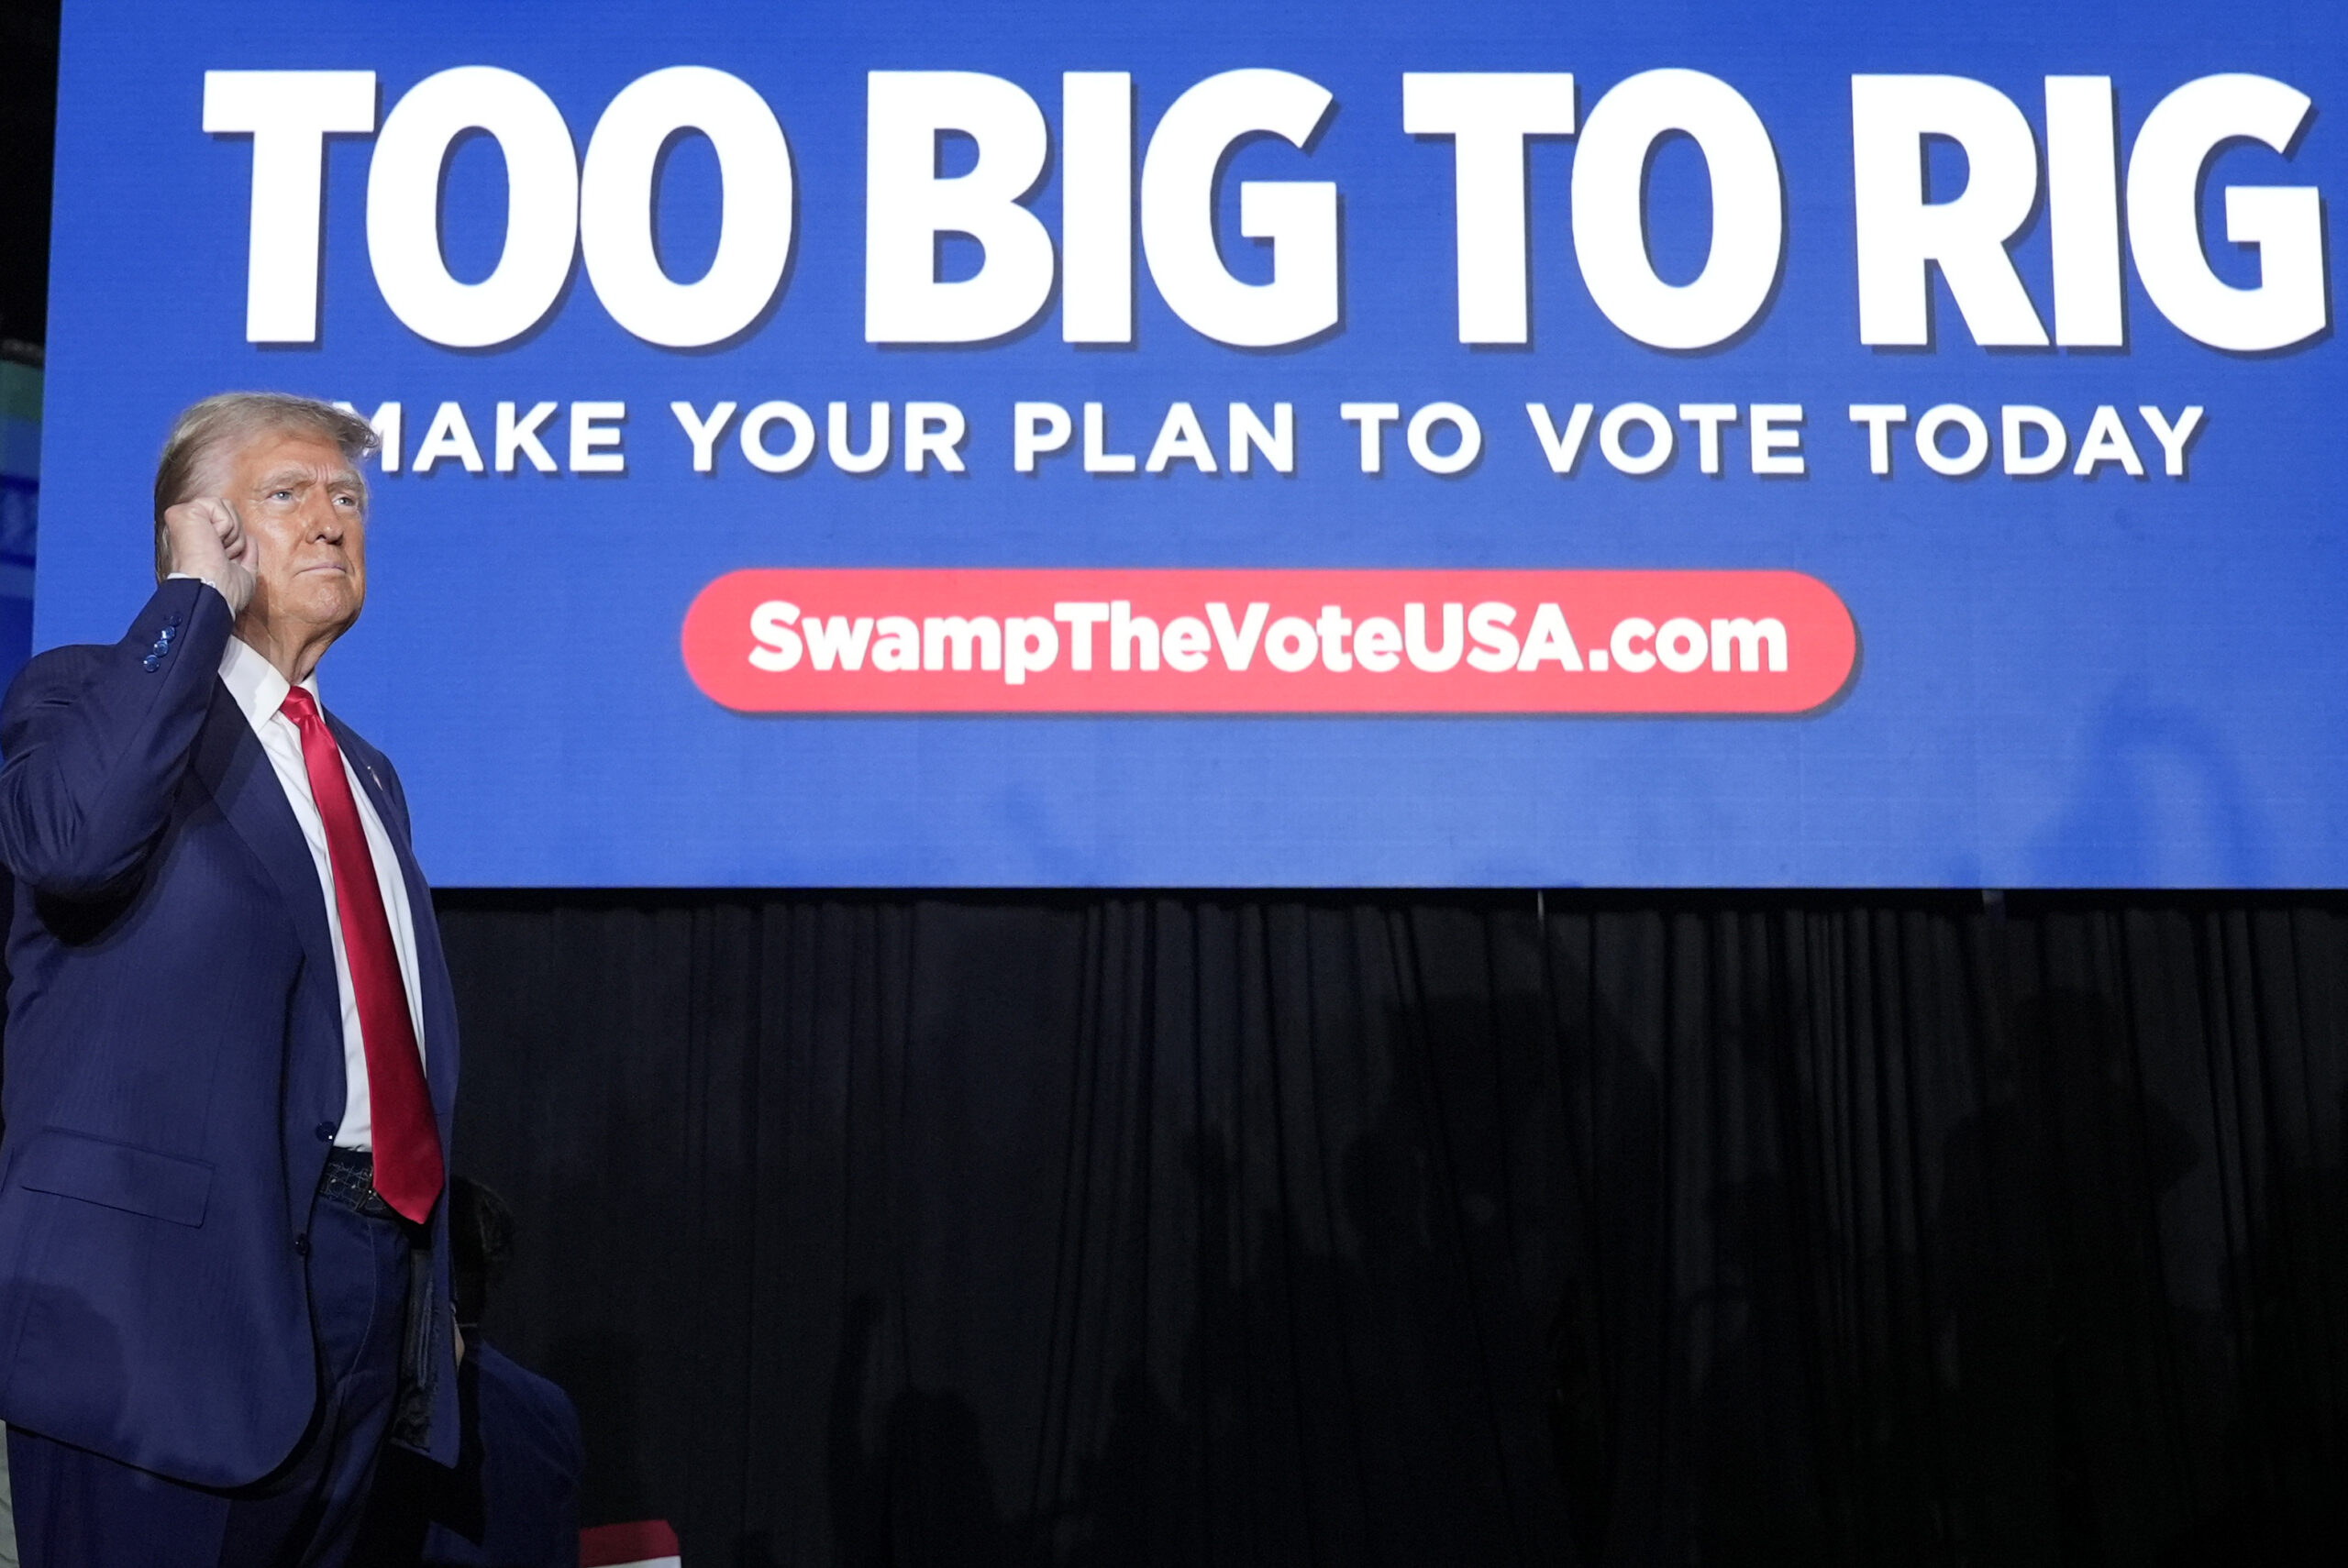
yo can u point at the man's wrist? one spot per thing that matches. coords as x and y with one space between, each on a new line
208 582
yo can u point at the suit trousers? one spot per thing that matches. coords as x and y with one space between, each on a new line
79 1509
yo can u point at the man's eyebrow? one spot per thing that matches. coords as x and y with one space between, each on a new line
340 479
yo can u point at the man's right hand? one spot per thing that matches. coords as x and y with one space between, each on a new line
207 540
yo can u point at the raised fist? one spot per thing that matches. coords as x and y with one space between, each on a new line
207 540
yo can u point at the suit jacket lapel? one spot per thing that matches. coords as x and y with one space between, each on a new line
431 967
231 764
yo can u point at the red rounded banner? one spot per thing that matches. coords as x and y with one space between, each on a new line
931 640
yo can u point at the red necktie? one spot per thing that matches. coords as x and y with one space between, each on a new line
407 1139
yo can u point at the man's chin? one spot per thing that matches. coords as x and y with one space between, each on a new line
306 615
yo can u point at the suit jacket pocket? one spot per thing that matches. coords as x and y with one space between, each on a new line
120 1175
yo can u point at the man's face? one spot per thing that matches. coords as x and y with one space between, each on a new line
304 516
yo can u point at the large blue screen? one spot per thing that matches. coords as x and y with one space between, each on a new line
928 444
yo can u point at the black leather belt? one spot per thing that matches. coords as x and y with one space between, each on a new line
349 1181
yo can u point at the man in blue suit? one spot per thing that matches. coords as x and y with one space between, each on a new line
232 1047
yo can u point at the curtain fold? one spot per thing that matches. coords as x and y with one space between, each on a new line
1589 1228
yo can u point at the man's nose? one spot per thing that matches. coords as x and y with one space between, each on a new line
326 520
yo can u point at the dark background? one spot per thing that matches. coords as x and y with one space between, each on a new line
1703 1229
27 144
1407 1228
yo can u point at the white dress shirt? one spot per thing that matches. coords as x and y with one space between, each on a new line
259 691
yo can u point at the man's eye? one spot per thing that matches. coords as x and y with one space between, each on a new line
281 495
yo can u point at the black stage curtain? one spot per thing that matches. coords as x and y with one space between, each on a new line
1428 1228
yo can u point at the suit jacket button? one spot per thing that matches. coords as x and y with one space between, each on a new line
325 1132
302 1245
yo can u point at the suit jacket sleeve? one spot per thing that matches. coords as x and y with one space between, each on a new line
97 740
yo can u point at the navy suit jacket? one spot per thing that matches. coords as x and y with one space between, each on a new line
175 1065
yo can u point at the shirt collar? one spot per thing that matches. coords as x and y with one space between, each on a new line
258 689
